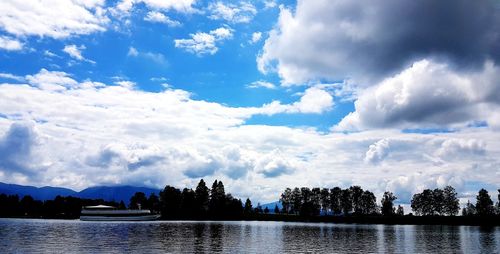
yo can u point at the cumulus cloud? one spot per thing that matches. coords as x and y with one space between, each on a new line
356 43
314 100
158 17
460 148
56 19
52 80
242 13
204 43
10 44
377 151
76 52
274 164
427 94
256 37
92 134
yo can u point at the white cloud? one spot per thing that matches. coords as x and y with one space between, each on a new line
269 4
256 37
377 151
204 43
314 100
49 53
11 76
242 13
126 84
132 52
56 19
458 148
261 84
76 52
52 80
427 95
124 7
89 134
155 57
356 43
158 17
10 44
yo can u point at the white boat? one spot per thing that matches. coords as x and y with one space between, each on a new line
111 213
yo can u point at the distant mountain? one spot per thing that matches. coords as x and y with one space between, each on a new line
271 206
116 193
42 193
108 193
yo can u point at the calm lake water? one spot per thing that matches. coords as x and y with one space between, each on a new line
74 236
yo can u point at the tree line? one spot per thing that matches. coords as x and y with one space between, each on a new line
171 203
354 201
336 201
200 203
60 207
214 203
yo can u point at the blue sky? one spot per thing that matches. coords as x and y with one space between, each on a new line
264 94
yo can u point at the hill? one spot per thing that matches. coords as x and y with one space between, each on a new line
108 193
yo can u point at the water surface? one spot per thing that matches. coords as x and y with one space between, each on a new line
74 236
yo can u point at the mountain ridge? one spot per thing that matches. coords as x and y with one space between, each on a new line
108 193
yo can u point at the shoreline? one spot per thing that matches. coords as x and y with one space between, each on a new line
490 221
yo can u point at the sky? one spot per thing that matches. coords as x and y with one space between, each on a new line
394 95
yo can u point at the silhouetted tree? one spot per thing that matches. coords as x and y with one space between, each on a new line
170 200
346 201
188 203
438 201
248 207
356 193
451 203
217 199
202 198
266 210
498 203
233 208
335 196
368 203
315 200
387 203
276 209
296 200
469 209
325 200
286 200
400 211
29 207
153 203
258 209
138 200
484 204
421 203
122 205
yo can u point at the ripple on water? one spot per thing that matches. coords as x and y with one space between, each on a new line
74 236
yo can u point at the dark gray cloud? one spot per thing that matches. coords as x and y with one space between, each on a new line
202 169
103 159
16 149
144 162
370 39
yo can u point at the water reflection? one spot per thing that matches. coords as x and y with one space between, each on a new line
42 236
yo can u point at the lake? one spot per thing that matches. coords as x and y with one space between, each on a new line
74 236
